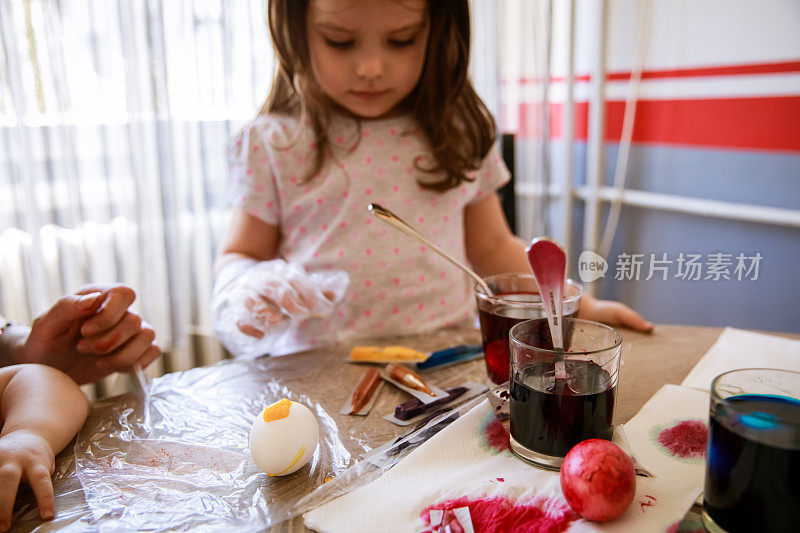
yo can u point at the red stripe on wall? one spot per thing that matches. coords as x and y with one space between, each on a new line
734 123
695 72
730 70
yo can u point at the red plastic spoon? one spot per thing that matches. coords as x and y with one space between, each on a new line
548 263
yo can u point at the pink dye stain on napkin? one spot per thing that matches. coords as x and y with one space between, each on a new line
686 439
493 435
500 515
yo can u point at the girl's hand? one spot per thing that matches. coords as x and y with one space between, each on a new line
25 457
255 302
264 294
612 313
280 291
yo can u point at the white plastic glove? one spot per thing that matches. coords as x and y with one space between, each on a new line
255 302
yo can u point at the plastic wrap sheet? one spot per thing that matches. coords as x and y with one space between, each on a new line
374 463
189 468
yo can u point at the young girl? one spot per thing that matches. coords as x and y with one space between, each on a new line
371 103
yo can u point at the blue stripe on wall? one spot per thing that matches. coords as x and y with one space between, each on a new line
768 303
770 179
763 178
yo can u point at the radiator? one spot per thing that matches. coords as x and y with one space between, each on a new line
173 290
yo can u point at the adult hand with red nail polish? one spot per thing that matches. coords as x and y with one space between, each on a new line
87 335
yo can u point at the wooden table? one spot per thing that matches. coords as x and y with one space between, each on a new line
649 361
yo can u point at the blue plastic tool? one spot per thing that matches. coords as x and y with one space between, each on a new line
449 356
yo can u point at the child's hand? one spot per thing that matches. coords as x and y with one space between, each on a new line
612 313
264 313
25 457
263 294
254 302
295 299
280 290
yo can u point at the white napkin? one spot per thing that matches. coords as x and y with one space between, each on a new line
736 349
469 464
668 437
462 464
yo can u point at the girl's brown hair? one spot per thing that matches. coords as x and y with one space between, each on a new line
446 107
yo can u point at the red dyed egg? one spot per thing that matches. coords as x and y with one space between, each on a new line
598 480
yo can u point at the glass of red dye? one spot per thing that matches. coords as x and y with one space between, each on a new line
516 298
753 454
548 415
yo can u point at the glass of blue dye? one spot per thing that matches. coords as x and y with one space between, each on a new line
753 458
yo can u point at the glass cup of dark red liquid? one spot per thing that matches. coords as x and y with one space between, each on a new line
549 416
753 456
516 298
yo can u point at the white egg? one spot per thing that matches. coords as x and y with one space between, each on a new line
283 437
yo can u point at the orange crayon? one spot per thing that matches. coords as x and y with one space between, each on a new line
364 390
408 378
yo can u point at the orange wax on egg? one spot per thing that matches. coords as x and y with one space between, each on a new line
277 410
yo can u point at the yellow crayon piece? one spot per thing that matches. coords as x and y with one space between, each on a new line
388 353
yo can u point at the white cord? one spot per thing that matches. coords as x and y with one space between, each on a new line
621 169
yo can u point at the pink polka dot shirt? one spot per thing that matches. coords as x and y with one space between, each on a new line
397 285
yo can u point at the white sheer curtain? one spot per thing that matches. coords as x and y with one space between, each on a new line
523 52
113 121
511 69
